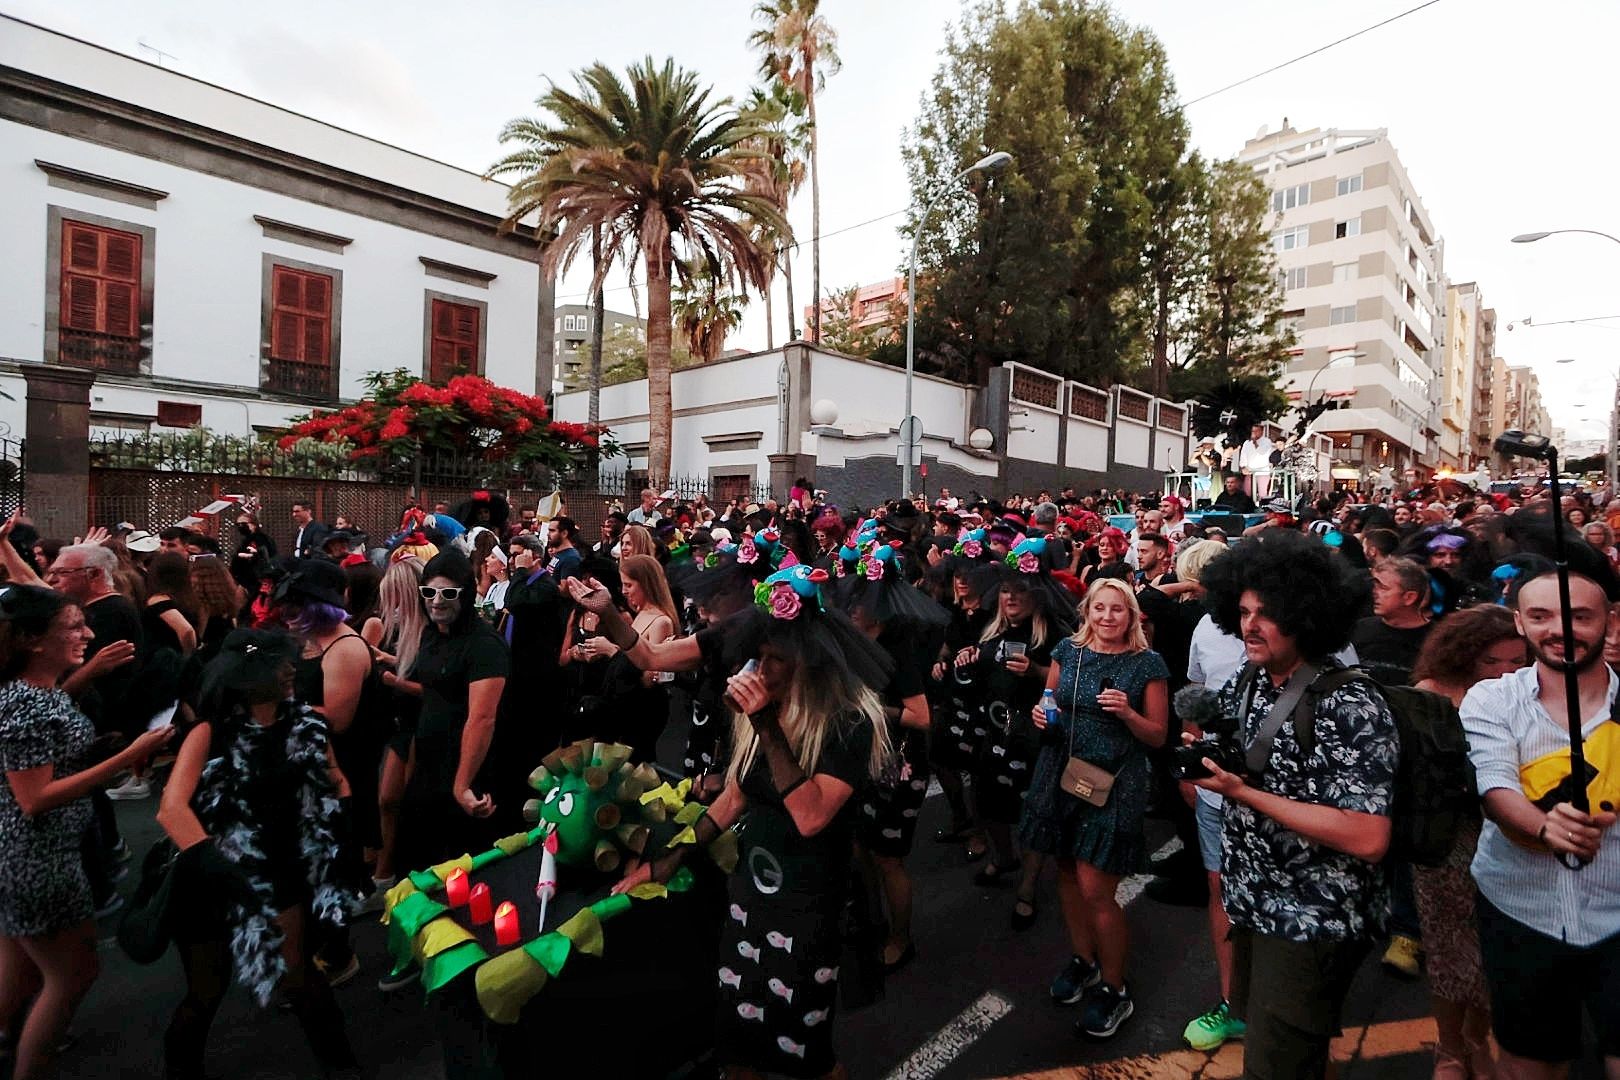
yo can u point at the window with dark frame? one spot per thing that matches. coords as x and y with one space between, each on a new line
100 322
301 334
454 348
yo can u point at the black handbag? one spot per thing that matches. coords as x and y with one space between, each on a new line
143 932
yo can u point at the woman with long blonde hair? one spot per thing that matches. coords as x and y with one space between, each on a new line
398 637
808 734
637 540
1113 706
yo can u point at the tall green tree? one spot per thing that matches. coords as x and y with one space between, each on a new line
799 48
658 165
777 174
1055 263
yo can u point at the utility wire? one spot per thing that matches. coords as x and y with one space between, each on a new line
1184 104
1313 52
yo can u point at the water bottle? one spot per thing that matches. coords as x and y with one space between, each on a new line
1049 707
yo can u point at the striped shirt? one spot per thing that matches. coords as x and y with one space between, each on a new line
1507 727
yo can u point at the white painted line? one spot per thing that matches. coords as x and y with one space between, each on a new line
947 1044
1132 887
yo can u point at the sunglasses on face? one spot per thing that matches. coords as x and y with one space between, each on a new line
450 592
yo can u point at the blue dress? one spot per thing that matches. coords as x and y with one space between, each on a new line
1108 837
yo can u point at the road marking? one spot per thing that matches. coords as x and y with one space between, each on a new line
1132 887
946 1045
1367 1043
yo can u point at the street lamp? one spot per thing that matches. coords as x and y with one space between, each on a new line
992 162
1609 469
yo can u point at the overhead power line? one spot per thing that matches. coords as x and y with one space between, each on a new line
1313 52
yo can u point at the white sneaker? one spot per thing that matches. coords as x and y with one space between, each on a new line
131 789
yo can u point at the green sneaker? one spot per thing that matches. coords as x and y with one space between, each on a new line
1213 1028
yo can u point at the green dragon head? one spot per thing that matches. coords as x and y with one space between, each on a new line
590 795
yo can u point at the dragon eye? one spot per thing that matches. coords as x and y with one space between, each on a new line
551 796
565 805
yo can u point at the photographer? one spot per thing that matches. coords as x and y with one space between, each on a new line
1550 936
1302 839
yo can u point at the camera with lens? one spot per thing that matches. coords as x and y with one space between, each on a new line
1220 743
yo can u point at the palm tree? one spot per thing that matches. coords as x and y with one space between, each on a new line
658 166
778 174
798 48
705 313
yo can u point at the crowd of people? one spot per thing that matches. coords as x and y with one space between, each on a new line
319 718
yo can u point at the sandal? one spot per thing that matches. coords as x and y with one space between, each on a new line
993 874
1024 913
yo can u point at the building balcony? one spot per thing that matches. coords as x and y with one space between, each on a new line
100 352
317 382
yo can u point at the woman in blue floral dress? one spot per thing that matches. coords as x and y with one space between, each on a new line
1113 706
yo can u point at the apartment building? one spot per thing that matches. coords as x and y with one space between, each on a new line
1516 403
571 341
865 306
1363 276
1465 402
220 262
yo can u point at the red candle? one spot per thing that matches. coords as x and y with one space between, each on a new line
455 887
506 924
479 906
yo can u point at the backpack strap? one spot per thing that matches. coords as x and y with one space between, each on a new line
1305 710
1287 704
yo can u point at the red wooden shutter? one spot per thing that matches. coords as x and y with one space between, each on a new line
100 315
300 332
453 348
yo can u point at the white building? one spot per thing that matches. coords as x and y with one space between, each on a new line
1363 273
764 419
220 261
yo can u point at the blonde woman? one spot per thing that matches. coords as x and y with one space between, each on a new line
398 635
808 733
1113 706
637 540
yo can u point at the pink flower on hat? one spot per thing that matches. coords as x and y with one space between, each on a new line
873 568
972 548
746 551
1029 562
785 603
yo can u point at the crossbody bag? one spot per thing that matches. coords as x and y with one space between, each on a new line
1085 781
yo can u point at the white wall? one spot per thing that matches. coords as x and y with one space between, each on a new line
724 398
208 276
872 396
126 78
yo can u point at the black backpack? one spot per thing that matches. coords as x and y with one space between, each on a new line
1436 796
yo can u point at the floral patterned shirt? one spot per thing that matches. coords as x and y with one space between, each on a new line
1275 881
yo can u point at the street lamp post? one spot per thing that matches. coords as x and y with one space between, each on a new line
993 162
1610 466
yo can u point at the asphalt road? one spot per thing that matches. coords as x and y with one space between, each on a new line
973 1005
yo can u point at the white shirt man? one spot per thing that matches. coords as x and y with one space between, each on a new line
1254 461
647 513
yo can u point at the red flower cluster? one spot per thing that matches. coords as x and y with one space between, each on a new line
469 415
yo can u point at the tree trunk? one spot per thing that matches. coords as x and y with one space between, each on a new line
770 334
815 222
659 329
787 283
1161 339
595 408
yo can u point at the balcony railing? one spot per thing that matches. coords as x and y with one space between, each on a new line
315 381
101 352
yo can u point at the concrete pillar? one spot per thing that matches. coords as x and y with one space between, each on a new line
786 468
57 491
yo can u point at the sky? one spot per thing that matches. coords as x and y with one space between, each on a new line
1499 110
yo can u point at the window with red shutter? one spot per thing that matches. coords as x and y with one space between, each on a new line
454 347
301 333
100 317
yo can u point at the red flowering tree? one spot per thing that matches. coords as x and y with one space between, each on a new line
401 417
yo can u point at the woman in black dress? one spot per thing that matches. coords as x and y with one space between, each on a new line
908 627
461 666
251 805
1007 669
958 728
809 732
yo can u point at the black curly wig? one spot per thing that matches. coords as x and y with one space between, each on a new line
1313 597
